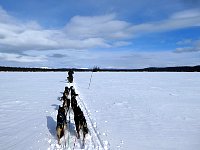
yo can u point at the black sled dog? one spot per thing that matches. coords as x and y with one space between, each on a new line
73 102
61 123
66 104
67 91
70 76
80 122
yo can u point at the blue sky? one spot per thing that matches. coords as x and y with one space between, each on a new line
106 33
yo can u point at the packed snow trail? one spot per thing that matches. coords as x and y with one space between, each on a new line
70 141
93 130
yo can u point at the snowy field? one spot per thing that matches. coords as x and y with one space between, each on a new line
139 111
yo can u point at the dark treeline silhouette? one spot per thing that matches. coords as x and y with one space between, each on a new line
97 69
23 69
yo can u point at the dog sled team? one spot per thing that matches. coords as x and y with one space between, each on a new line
69 102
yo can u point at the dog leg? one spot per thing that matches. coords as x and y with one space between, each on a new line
58 136
58 141
60 133
77 130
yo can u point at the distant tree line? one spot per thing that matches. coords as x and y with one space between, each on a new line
97 69
23 69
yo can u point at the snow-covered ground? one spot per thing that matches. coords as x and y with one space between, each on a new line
144 111
141 111
28 109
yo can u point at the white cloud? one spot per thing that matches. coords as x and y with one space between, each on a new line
21 58
84 32
185 42
191 13
79 33
177 20
121 43
193 46
133 59
107 27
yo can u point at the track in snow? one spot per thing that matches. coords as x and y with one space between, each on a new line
95 136
69 141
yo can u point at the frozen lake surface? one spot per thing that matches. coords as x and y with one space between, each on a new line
142 111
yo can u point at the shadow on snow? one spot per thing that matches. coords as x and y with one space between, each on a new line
51 125
71 128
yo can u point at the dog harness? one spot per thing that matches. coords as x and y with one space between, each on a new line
60 119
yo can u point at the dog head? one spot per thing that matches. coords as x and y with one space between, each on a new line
71 88
66 88
61 110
